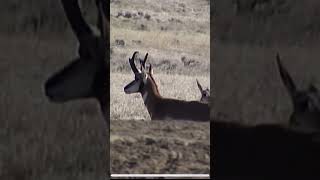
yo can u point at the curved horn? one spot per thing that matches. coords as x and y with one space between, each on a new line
150 70
144 61
286 78
76 20
131 61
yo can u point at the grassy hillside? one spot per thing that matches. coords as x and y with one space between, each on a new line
39 16
264 22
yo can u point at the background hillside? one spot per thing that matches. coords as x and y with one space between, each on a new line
247 36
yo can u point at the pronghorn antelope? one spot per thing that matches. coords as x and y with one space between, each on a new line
263 150
306 103
88 75
205 93
160 108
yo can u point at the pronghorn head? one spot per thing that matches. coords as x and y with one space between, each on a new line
306 103
140 76
87 74
205 93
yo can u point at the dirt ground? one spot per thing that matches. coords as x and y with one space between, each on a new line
167 147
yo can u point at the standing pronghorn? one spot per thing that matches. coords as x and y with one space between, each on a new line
160 108
306 103
205 93
88 75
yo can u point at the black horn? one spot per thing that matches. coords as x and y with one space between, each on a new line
76 20
286 78
131 61
199 85
143 63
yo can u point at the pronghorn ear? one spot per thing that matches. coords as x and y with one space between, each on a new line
286 78
141 66
145 60
150 70
199 86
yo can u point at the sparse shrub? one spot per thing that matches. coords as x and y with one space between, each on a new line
119 14
147 16
165 65
136 42
182 5
142 27
189 62
174 20
127 15
120 42
140 13
163 28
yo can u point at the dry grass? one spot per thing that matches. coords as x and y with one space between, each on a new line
267 22
176 36
261 96
131 106
166 46
246 79
166 41
42 140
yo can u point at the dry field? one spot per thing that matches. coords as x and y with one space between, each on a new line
42 140
39 139
176 36
261 96
247 37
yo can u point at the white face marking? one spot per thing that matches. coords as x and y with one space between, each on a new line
145 77
133 87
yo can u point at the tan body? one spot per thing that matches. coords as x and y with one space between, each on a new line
160 108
